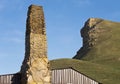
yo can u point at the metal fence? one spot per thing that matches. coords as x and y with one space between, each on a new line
70 76
60 76
10 79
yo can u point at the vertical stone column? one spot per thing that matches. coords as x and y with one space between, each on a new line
35 67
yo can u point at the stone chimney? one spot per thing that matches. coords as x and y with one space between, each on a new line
35 67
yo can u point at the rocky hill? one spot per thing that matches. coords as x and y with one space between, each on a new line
101 42
99 57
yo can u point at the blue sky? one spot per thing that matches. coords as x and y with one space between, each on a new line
64 19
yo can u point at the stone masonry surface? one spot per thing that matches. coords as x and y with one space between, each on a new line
35 67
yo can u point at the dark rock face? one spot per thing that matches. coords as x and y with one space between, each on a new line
90 34
35 67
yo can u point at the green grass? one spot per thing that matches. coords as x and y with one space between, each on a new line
102 62
107 49
101 73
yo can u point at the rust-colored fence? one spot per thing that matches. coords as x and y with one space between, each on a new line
10 79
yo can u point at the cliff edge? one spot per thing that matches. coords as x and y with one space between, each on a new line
101 42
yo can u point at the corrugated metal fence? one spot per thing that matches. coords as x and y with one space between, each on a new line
70 76
60 76
10 79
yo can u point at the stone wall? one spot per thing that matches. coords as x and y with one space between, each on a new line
35 67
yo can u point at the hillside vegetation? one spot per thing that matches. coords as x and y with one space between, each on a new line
99 58
101 73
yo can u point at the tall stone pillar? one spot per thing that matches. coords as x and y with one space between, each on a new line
35 67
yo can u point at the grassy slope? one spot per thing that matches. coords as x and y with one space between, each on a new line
107 49
102 62
102 73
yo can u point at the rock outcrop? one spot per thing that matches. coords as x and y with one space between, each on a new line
101 47
90 34
35 67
